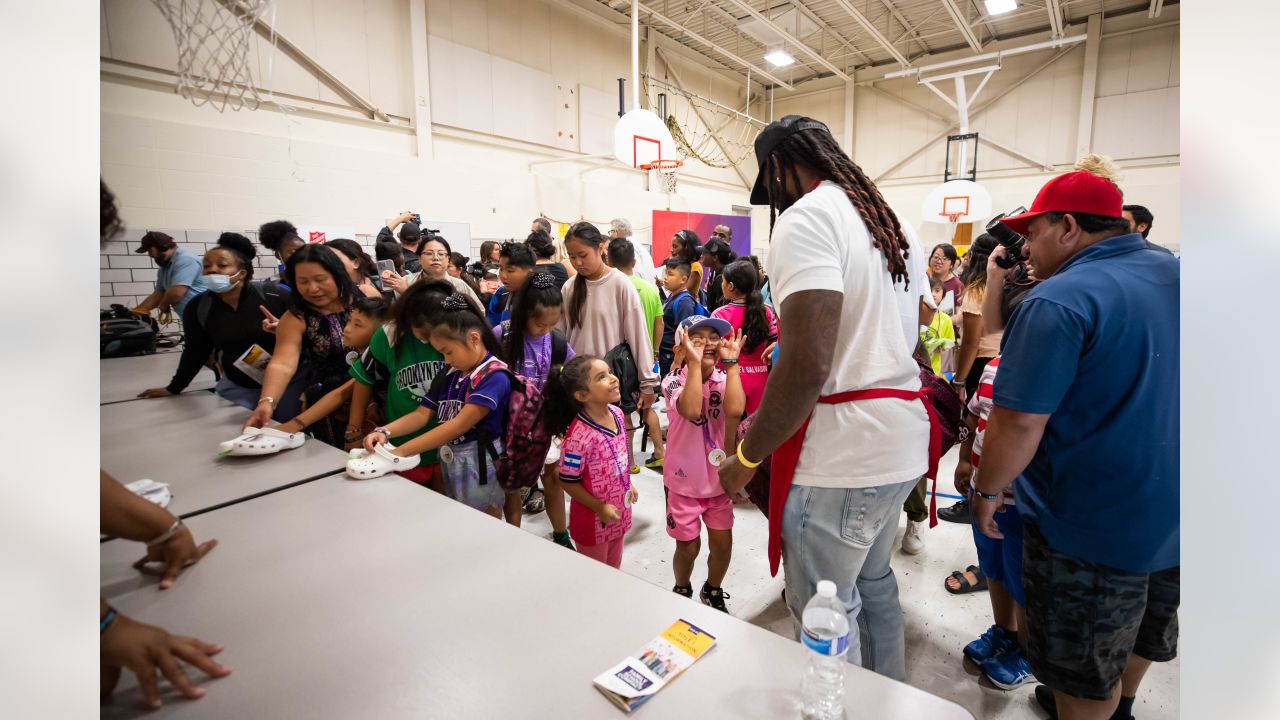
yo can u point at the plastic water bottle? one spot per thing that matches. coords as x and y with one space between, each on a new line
826 635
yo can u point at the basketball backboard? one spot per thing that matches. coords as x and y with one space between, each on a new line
641 138
961 201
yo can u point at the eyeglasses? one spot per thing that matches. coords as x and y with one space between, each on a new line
434 254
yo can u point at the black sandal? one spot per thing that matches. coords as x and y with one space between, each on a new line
965 586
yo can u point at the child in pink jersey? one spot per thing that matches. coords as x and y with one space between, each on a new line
595 459
704 405
746 311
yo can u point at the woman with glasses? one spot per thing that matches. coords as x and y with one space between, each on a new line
434 256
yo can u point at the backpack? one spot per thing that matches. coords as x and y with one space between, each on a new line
525 440
123 333
698 308
623 366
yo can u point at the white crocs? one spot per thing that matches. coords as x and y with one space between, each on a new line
262 441
366 466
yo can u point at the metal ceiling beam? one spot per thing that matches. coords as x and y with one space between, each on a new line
962 24
873 32
983 108
817 57
655 15
813 18
1156 7
1055 17
897 15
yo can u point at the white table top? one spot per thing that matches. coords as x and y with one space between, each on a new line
381 599
123 378
175 440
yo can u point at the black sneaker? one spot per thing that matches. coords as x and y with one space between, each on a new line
957 513
714 597
684 590
535 502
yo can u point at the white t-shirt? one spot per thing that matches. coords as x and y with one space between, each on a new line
909 297
821 243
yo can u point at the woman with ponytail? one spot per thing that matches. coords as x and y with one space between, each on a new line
745 310
603 309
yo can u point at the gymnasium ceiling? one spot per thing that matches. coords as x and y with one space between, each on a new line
828 37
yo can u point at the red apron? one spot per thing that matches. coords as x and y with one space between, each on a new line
785 458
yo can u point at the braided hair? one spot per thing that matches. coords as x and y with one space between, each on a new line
817 149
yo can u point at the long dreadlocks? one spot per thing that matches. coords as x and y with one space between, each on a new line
818 150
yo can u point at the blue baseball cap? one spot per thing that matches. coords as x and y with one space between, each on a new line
693 322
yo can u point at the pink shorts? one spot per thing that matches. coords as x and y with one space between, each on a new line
684 514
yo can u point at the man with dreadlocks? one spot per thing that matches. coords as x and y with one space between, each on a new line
848 426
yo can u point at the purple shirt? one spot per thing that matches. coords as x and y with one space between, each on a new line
537 357
491 392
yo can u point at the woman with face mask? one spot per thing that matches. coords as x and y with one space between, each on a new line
226 322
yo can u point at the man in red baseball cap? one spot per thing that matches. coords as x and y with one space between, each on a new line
1071 212
1085 428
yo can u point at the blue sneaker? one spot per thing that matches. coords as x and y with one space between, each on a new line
992 642
1009 669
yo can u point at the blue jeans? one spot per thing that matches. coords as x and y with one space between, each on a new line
846 536
287 408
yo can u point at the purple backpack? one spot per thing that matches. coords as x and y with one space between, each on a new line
526 439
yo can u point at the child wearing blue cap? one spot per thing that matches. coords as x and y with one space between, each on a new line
704 406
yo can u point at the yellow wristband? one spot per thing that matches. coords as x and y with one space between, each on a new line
745 462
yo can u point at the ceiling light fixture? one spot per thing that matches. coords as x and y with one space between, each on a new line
779 58
1000 7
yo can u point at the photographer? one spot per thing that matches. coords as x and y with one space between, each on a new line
410 224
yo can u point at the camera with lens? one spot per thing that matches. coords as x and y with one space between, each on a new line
1011 241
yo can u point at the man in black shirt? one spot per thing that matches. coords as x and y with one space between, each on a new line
410 239
716 254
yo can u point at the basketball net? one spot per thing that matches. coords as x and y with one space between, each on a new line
666 169
213 39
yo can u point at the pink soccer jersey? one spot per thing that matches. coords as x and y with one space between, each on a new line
598 458
687 469
751 365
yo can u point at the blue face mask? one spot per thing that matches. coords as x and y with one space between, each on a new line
216 283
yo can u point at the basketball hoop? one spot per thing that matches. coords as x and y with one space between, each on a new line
952 218
666 168
213 39
662 165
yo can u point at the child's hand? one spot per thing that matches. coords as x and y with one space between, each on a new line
692 346
373 440
292 426
731 345
767 355
634 495
963 477
609 514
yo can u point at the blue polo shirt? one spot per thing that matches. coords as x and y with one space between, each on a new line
183 269
1096 347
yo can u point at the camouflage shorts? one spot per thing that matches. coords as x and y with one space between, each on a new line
1083 619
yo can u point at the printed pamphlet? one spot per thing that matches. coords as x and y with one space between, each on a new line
254 363
641 676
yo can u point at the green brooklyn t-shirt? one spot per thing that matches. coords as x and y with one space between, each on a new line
407 375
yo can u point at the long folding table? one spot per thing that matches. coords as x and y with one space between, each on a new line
175 440
381 599
123 378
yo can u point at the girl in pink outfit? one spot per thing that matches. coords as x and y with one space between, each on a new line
595 459
747 312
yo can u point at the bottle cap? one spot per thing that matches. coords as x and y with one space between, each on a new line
826 588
